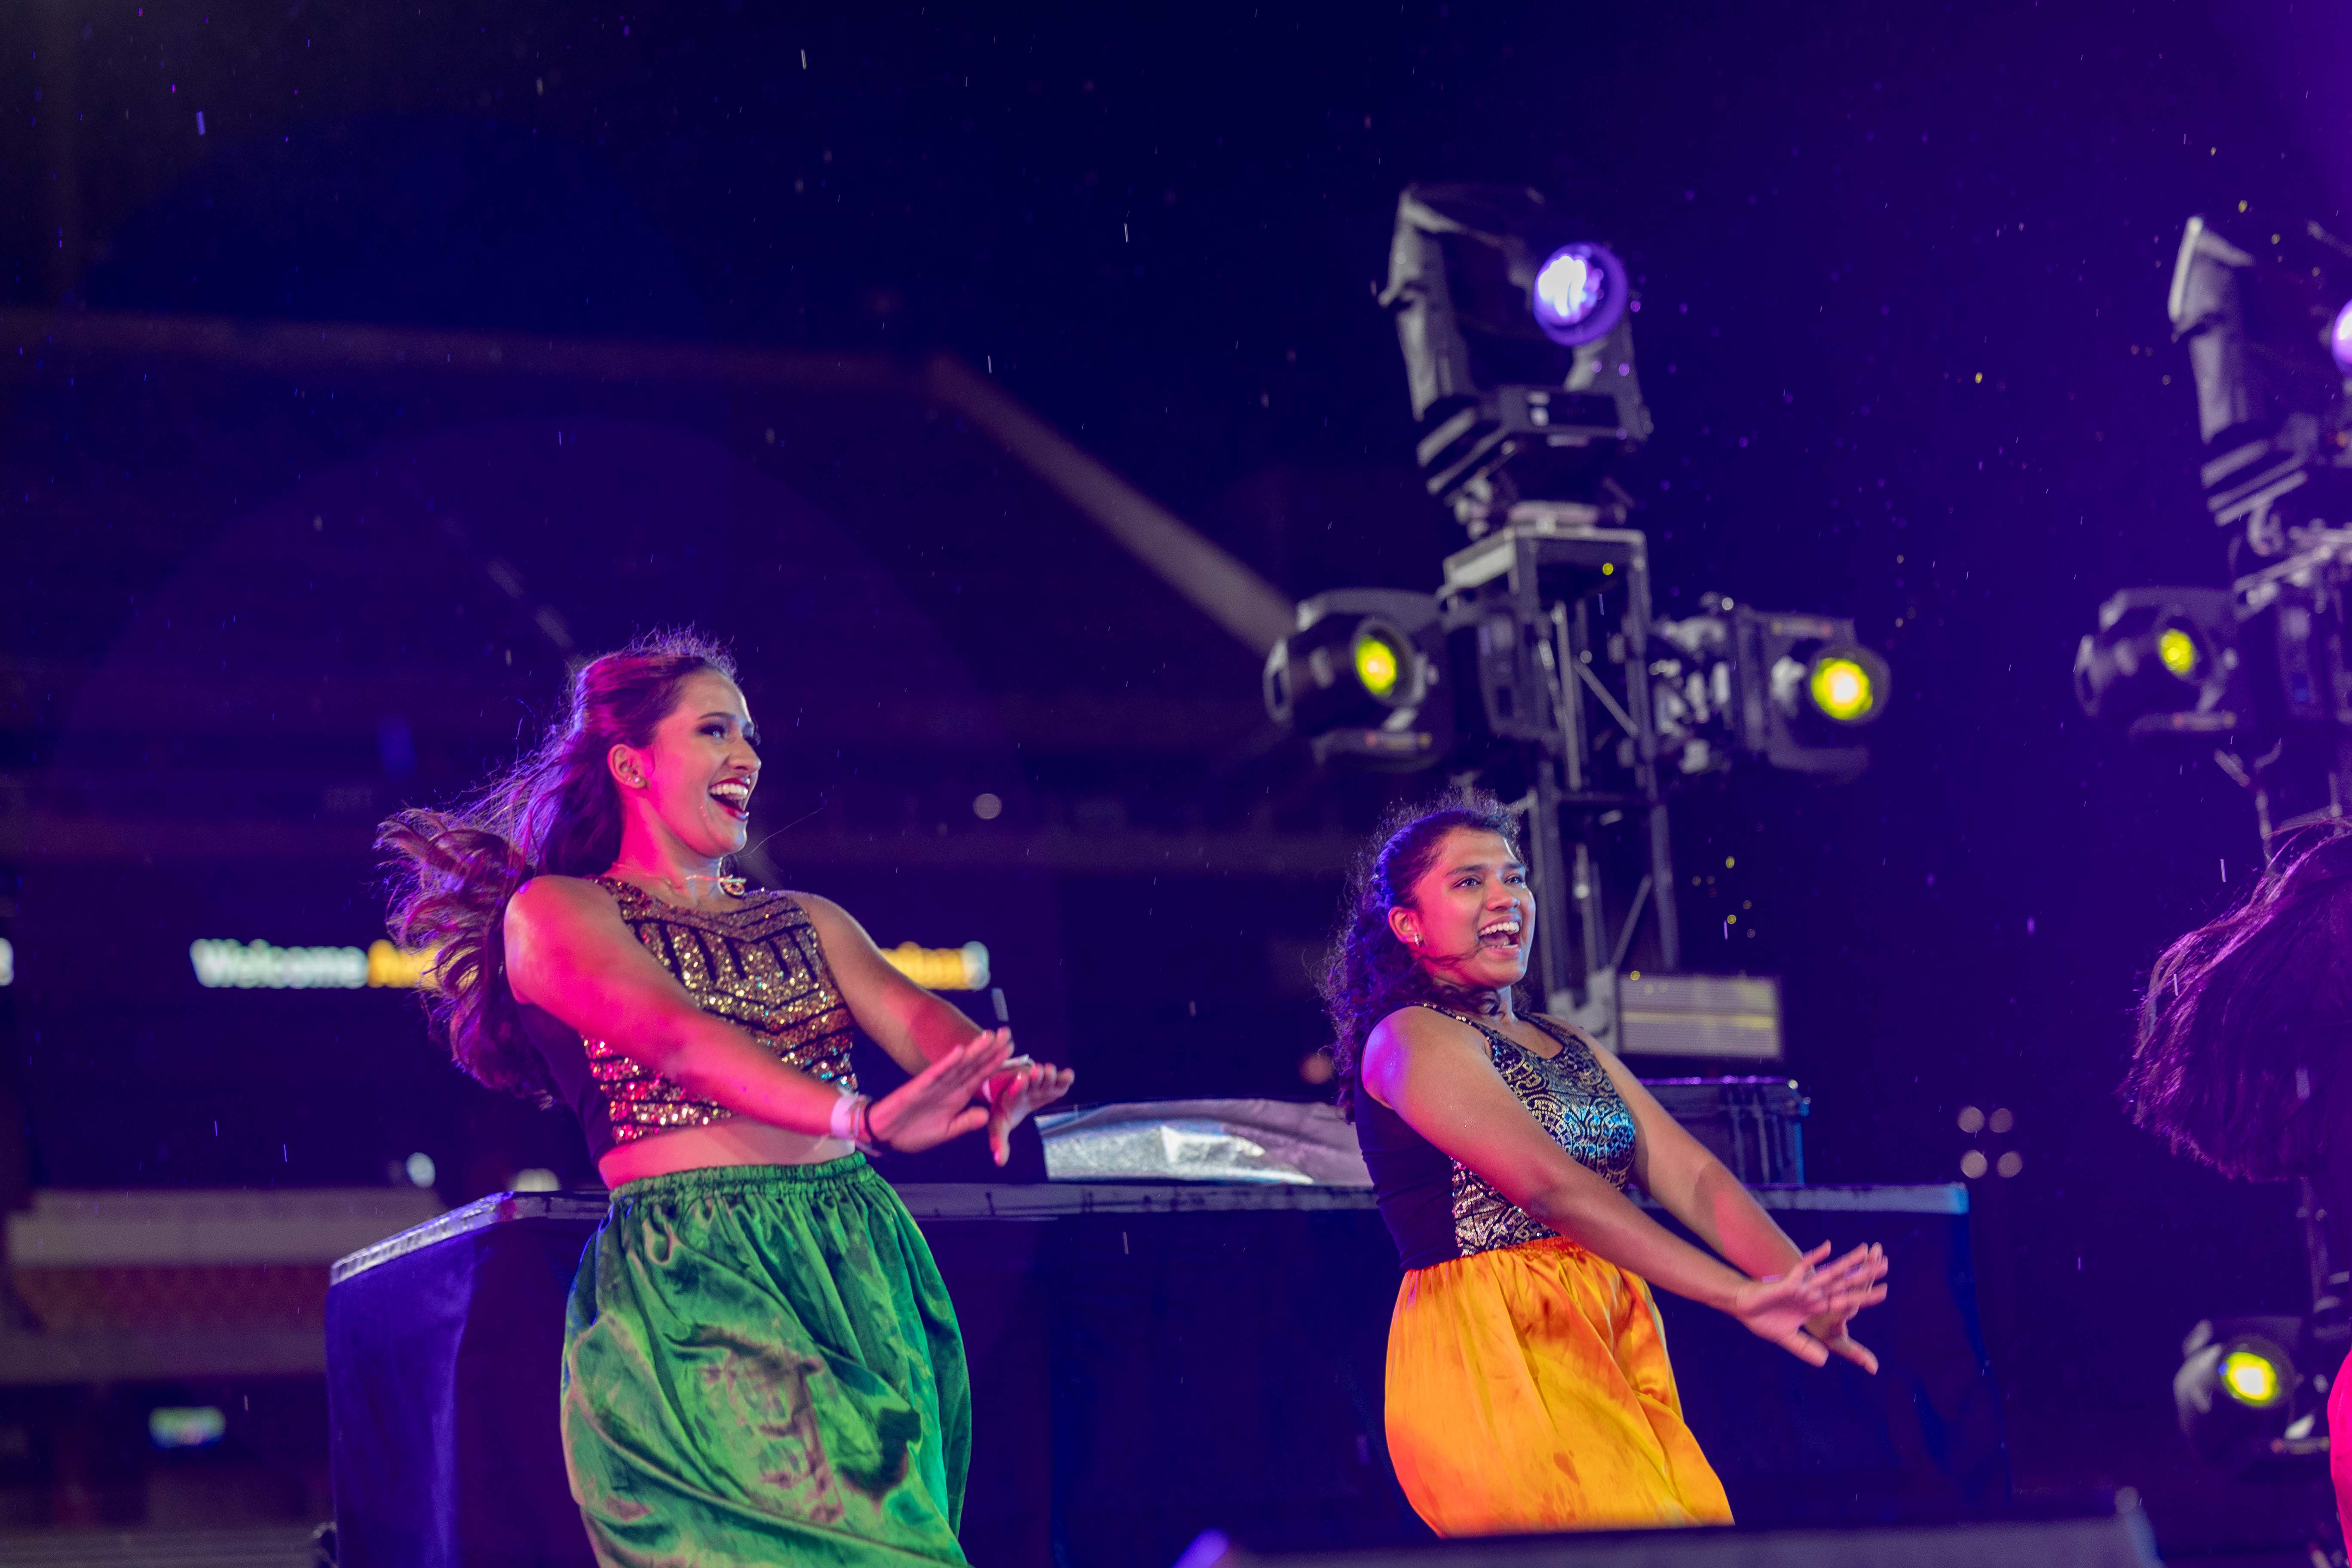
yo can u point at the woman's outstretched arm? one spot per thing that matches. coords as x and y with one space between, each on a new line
1697 1189
917 1027
1435 1072
914 1026
569 952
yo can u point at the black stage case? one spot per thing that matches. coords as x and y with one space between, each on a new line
1149 1361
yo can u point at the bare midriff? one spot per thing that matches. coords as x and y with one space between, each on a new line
734 1142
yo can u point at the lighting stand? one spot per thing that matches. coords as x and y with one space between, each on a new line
2295 608
2305 775
2259 674
1560 607
2329 1323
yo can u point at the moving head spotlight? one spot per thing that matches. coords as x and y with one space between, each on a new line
2243 1404
1794 690
1519 347
1393 680
2165 662
2258 669
2269 332
1519 344
1360 676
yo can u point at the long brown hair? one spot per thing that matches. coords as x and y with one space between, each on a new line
1370 974
2248 1017
555 811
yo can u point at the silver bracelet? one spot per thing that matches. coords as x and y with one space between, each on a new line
847 1110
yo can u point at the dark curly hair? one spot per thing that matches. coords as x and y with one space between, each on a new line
557 810
1369 974
2247 1018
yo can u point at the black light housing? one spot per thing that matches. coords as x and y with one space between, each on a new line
2165 663
1518 345
2264 325
1357 678
1824 687
2257 673
1793 689
2244 1404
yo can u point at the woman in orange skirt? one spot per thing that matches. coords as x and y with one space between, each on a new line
1528 1387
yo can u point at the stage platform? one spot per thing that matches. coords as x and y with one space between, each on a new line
1149 1359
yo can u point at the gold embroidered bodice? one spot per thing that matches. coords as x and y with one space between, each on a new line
759 967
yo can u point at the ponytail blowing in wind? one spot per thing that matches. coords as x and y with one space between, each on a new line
555 811
1370 974
2247 1018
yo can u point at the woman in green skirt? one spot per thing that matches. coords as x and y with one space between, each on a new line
761 1364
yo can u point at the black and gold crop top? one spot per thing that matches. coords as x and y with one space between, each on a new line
758 965
1438 1208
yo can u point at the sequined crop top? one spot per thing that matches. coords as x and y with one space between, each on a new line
1438 1208
758 965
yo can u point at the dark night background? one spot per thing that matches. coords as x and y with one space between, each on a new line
1902 274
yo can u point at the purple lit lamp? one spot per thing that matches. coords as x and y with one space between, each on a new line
1579 293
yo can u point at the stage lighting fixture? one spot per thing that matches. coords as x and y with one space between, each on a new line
1356 678
2176 650
1844 687
1538 669
1826 689
1691 697
1792 689
2252 1378
2165 662
2260 666
1519 348
2243 1404
2256 675
1362 677
2270 342
1579 294
1380 660
1820 686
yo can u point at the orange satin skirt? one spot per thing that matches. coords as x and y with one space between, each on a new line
1528 1390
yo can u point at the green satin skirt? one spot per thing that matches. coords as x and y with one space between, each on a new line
761 1366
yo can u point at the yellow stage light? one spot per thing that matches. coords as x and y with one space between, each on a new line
1842 688
1378 663
2176 650
2251 1379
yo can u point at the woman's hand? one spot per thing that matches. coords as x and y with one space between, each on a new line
1830 1328
935 1105
1779 1307
1013 1094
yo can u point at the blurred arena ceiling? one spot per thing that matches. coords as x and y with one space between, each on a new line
360 556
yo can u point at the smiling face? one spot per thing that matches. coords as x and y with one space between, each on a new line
1472 917
692 784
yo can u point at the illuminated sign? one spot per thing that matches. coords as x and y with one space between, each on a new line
961 968
398 967
187 1426
260 965
264 966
